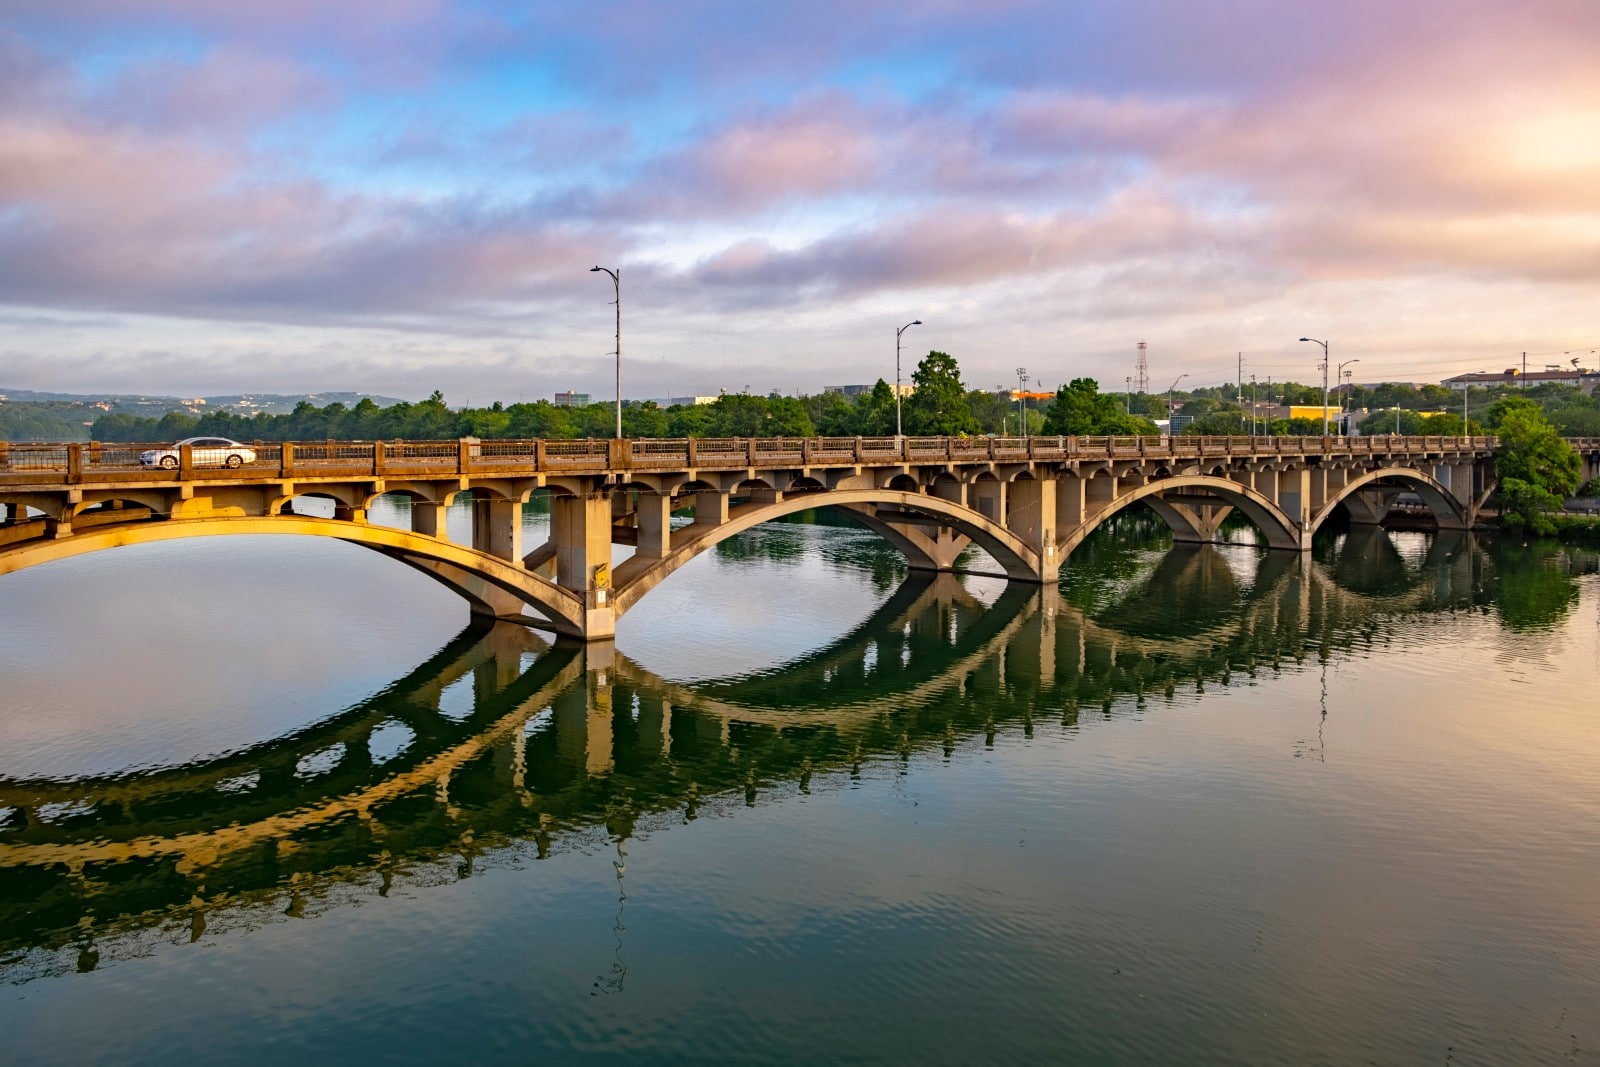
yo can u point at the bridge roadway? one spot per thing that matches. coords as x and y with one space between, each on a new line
1027 502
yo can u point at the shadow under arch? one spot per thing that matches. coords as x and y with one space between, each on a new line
1275 527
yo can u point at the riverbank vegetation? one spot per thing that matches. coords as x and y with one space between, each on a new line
946 405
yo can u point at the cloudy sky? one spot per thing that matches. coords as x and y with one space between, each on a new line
394 196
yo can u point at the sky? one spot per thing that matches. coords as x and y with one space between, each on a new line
398 196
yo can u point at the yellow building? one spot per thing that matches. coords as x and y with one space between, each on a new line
1314 412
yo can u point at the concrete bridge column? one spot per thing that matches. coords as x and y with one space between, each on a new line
497 527
710 508
13 514
1461 491
349 513
1031 515
927 545
429 518
1192 523
1318 488
1070 504
655 525
988 497
580 530
1292 492
1367 508
1100 492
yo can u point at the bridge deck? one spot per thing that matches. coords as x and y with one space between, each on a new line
47 466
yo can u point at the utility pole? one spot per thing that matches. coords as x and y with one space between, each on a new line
1238 389
1022 399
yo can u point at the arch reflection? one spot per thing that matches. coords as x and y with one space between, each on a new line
512 746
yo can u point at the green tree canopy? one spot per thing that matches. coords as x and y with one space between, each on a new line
939 406
1081 409
1535 466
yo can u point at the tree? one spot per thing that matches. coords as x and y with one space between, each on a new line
990 409
939 405
875 411
1536 467
1227 423
1081 409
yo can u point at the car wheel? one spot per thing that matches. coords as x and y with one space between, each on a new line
170 462
235 460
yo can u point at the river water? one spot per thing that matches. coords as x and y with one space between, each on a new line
264 801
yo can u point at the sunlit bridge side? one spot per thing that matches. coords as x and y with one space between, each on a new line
1027 503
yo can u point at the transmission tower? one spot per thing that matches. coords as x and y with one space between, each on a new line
1141 372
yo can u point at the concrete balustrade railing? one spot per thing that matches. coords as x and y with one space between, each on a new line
72 463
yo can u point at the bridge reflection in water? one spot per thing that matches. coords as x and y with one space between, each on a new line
504 745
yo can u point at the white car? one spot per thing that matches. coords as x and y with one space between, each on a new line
208 452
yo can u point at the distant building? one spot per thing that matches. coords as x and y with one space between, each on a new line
572 400
1581 377
1018 394
689 401
906 389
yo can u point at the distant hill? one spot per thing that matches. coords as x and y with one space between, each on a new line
242 403
29 415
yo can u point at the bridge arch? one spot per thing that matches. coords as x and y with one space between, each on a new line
637 576
1274 524
1446 509
492 586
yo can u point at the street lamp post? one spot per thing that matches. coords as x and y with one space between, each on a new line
1323 367
1127 399
616 281
1340 377
1170 388
898 432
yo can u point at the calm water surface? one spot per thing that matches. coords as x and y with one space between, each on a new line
264 801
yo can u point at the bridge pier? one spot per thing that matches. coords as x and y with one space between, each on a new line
580 531
1031 515
655 525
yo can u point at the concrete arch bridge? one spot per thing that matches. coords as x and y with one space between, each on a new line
1026 502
